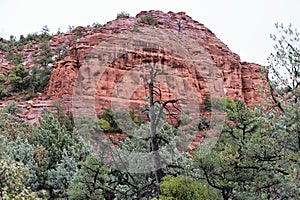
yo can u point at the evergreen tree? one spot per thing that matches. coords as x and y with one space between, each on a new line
61 175
246 161
39 78
91 181
19 78
21 151
53 137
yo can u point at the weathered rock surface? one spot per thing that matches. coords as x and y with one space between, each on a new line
100 67
241 80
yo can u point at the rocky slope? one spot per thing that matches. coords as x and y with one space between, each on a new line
241 80
102 56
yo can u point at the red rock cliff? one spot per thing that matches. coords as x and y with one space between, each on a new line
240 80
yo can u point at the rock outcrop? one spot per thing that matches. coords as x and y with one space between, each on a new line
111 52
241 80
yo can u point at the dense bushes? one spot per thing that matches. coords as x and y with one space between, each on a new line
185 188
20 79
149 20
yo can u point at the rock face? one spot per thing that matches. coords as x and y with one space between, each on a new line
107 66
148 45
110 67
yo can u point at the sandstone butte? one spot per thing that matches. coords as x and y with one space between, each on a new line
90 76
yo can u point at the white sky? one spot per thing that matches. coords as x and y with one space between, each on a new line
243 25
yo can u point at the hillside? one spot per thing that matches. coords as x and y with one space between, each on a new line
147 107
65 54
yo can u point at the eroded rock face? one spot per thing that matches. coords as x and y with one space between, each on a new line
110 66
93 64
239 80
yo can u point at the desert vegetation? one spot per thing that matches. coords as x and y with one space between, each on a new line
256 155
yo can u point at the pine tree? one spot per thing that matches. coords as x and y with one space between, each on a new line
19 78
61 175
21 151
91 181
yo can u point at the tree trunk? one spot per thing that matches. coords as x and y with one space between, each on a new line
154 140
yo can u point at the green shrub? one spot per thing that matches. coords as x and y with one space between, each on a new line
183 119
104 125
19 78
138 120
78 32
4 91
122 15
11 108
182 188
207 102
224 104
15 58
91 181
203 123
108 115
39 78
2 78
44 54
136 28
96 25
149 20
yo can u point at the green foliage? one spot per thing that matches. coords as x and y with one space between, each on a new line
39 78
96 25
286 127
203 123
12 127
2 146
207 102
15 58
44 54
13 180
21 151
108 116
19 78
149 20
138 120
54 137
246 161
11 108
66 120
183 119
122 15
4 89
104 125
91 181
284 63
2 78
136 28
61 175
182 188
124 182
224 105
78 32
57 154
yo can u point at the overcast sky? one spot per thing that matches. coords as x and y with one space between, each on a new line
243 25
